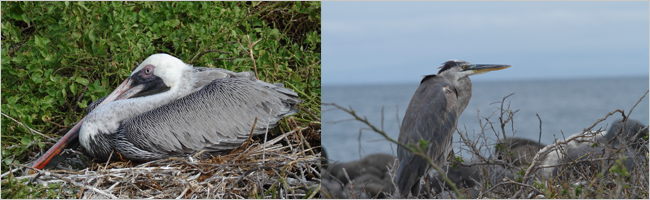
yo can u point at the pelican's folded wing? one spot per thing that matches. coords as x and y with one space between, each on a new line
217 118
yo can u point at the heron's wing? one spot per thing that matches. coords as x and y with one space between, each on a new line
430 117
217 118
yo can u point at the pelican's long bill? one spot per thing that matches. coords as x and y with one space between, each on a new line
56 150
124 91
483 68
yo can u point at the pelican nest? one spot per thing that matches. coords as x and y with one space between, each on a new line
287 166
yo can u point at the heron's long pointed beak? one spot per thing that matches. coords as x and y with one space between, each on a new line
124 91
483 68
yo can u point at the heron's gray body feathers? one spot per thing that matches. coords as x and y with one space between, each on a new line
436 103
432 116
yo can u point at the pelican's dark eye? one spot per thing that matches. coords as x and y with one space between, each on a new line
148 69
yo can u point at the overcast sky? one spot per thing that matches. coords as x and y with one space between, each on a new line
399 42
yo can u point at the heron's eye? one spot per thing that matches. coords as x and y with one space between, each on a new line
464 66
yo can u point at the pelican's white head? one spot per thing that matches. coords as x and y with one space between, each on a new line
156 74
168 68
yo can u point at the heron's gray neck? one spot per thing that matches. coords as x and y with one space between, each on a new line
464 94
464 87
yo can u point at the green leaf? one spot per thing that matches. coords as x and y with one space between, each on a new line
73 89
82 104
91 35
81 4
275 34
37 78
25 140
424 144
257 23
173 23
15 12
17 59
37 41
82 81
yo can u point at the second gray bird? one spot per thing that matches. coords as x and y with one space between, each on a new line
432 116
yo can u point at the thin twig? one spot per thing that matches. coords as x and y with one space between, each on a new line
410 149
539 141
266 133
198 56
30 129
250 52
534 164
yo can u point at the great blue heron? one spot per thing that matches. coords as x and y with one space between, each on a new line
432 116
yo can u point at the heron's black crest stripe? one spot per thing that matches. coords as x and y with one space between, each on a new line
452 63
447 65
427 77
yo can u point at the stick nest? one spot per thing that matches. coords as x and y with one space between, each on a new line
287 166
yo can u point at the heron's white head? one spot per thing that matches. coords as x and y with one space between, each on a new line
459 69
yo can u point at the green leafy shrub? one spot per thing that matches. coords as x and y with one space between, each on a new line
58 57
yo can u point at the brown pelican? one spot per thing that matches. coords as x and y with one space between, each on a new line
167 108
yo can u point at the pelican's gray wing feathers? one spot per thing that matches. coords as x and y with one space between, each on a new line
203 75
217 118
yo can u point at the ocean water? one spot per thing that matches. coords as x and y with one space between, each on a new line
564 106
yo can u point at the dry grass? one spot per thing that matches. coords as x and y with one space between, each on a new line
597 174
594 175
283 167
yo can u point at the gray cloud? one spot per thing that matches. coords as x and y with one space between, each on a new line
375 42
